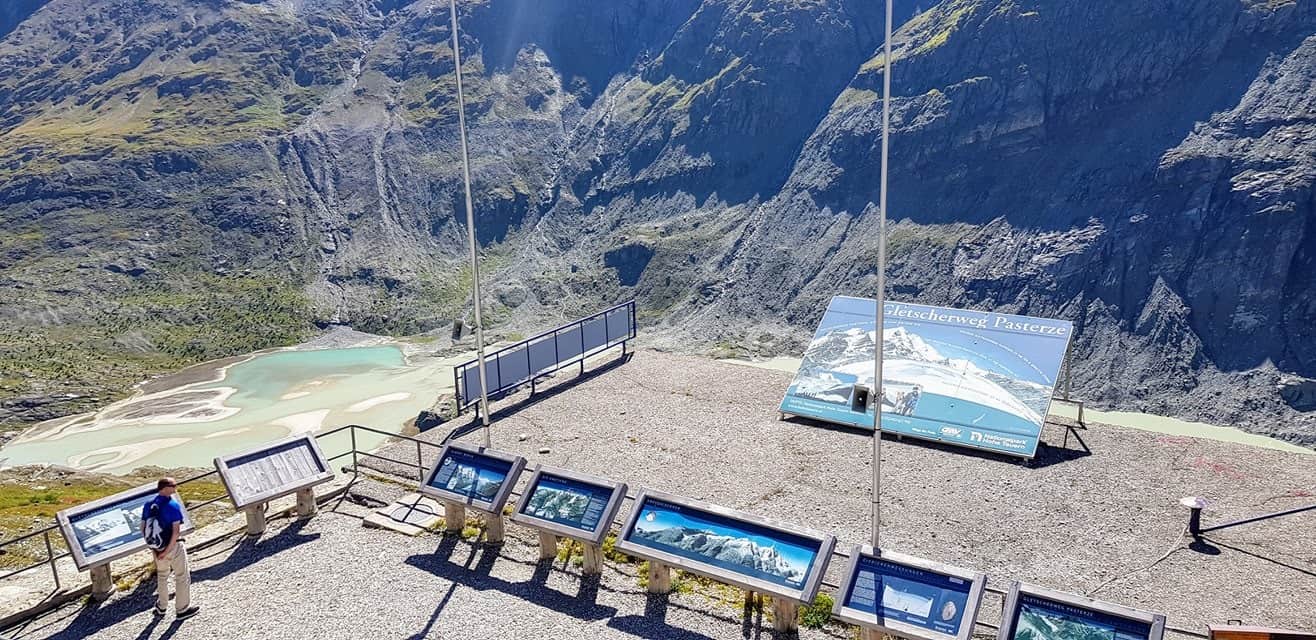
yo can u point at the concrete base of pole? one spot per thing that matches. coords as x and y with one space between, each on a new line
1194 505
660 577
306 506
102 583
547 546
255 520
783 615
454 517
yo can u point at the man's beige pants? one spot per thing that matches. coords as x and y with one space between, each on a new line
176 563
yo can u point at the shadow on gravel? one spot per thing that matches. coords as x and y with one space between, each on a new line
653 624
474 574
250 550
558 387
94 616
1208 542
1047 454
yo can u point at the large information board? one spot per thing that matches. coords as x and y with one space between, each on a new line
738 548
110 528
970 378
909 597
478 477
570 504
273 470
1037 613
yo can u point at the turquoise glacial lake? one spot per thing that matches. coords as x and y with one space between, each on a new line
267 397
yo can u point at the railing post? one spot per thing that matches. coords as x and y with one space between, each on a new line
352 432
420 464
50 554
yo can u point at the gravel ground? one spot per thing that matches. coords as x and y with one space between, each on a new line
1107 524
331 578
1091 524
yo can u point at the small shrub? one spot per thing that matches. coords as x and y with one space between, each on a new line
817 614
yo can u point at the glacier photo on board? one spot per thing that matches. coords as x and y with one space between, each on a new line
974 378
742 547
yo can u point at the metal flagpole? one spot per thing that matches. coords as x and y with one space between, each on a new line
470 225
878 392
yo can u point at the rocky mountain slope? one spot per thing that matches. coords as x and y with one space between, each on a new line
182 179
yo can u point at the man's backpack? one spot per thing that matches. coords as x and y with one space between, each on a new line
153 529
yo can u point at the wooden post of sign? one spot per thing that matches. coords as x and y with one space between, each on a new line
547 546
454 517
870 634
783 615
305 503
102 584
660 577
493 528
255 519
593 565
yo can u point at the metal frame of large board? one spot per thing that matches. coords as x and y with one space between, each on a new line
68 517
521 363
609 513
806 593
977 581
494 506
1010 617
225 465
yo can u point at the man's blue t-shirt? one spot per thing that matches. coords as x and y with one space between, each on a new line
170 511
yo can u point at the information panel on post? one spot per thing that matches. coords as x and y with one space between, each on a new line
1038 613
110 528
754 553
909 597
570 504
273 470
474 476
969 378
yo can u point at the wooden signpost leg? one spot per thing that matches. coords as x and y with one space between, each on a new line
102 584
660 577
593 560
547 546
783 615
255 520
493 529
305 503
870 634
454 517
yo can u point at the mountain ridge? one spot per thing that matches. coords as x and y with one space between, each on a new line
171 165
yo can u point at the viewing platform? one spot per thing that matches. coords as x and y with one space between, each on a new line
1106 523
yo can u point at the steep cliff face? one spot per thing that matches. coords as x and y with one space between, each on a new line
187 179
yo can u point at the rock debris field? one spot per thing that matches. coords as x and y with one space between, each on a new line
1106 524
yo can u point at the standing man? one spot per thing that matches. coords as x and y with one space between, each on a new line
162 521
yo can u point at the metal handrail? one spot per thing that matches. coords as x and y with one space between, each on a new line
495 358
45 532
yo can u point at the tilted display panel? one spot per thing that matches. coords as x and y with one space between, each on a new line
1038 613
755 553
570 504
474 476
909 597
110 528
273 470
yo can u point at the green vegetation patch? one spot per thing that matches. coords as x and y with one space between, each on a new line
27 506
